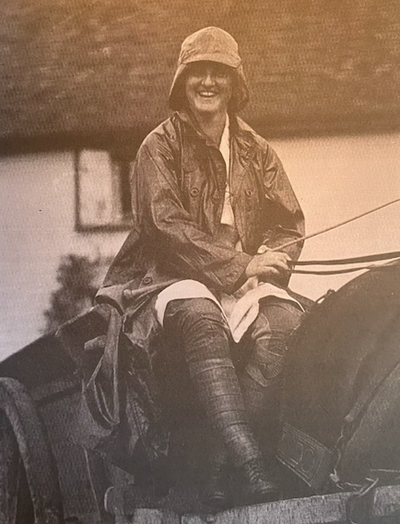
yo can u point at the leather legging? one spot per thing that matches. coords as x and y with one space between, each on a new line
232 404
261 366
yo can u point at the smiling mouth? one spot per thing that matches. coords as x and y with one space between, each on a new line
207 94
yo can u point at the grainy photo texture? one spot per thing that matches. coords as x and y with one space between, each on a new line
199 262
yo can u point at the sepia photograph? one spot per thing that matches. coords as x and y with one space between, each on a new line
199 262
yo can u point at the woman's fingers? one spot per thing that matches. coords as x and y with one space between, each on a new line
275 259
268 264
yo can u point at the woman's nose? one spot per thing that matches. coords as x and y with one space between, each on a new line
209 77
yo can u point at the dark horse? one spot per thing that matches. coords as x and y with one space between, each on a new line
341 416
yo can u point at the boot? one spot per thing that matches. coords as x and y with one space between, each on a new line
219 393
259 487
224 408
216 492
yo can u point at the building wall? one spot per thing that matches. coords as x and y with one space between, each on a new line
38 219
338 178
334 178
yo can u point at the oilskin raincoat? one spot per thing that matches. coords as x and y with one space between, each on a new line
178 187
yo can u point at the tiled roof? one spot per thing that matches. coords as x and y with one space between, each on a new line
100 67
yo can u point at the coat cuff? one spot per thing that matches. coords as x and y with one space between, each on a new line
237 276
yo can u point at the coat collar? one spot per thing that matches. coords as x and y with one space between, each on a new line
191 126
242 145
239 134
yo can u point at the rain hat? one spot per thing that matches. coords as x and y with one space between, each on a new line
210 44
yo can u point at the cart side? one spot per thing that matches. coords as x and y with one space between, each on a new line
44 375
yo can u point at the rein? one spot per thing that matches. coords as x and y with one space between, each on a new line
393 255
354 260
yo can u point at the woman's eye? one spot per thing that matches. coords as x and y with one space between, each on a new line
217 71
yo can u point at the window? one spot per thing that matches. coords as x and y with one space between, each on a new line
102 191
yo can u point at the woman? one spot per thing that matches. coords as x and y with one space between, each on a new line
210 201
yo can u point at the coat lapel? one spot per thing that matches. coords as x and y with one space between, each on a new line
242 153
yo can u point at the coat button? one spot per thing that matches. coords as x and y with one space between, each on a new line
147 281
127 294
194 192
249 192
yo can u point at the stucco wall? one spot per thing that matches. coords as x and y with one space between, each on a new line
37 228
334 178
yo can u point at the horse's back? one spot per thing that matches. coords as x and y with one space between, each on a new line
344 349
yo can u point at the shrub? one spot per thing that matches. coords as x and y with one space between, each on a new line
78 282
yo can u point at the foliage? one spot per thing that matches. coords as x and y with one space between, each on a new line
77 277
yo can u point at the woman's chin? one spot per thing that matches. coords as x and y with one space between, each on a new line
208 109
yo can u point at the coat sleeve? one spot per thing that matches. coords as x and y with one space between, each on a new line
284 217
176 240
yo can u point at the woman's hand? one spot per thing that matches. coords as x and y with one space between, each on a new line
267 265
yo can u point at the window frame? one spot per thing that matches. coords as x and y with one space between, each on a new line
124 224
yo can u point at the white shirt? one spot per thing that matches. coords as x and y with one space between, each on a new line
225 149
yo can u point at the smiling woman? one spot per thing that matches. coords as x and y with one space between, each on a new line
210 201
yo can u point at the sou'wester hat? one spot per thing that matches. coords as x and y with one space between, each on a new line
210 44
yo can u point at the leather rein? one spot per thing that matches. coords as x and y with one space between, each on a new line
354 260
389 256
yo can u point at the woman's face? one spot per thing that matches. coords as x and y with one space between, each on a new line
208 88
